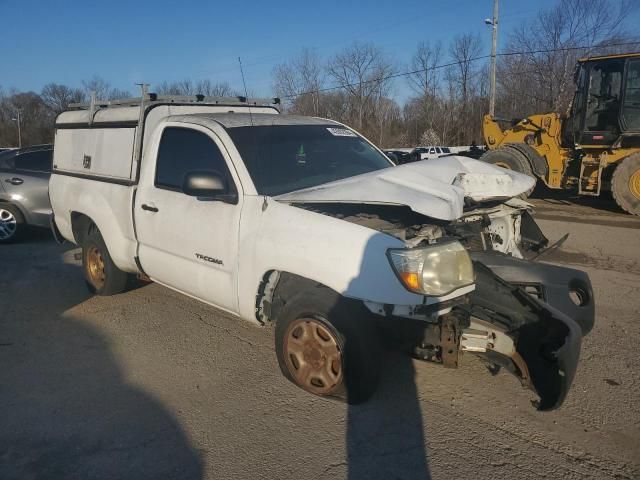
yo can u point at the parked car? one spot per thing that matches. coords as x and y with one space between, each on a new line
427 153
302 222
24 186
398 156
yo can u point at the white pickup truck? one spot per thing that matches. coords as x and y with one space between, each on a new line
303 222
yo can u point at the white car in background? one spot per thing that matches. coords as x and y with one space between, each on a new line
427 153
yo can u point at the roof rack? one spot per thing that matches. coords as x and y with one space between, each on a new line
153 98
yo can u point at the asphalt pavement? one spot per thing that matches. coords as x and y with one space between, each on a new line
152 384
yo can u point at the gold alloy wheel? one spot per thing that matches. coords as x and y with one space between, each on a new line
95 267
503 165
634 184
313 356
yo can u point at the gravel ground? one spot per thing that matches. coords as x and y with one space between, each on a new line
151 384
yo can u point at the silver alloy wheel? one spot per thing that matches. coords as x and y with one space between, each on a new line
8 224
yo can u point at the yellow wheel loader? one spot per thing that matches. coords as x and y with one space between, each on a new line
596 148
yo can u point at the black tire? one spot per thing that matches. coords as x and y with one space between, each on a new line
625 184
14 228
114 280
512 159
354 330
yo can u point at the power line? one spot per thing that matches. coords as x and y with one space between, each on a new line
451 64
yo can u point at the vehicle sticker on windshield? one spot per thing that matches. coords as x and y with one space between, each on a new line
301 157
341 132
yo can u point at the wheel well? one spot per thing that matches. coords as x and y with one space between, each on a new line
276 288
7 202
80 226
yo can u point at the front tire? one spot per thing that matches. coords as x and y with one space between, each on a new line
625 184
102 276
328 345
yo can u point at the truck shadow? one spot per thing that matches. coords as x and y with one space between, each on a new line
66 409
385 436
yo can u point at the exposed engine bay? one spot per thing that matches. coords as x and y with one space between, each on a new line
505 227
524 316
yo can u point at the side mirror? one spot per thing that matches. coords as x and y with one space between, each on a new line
208 185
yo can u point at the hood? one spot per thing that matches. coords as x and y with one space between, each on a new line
435 188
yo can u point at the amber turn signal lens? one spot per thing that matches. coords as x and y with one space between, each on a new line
410 280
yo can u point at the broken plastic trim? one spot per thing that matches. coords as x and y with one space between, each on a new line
547 341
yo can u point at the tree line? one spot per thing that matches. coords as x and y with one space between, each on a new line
360 85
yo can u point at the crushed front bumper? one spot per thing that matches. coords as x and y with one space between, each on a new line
531 304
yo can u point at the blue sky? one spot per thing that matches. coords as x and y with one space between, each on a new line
126 42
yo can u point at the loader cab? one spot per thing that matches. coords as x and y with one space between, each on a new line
607 100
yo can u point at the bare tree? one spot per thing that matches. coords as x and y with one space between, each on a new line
425 76
58 97
299 81
464 50
218 89
36 119
103 89
541 78
202 87
362 70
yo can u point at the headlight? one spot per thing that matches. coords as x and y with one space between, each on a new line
435 270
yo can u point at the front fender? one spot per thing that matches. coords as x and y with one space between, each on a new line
348 258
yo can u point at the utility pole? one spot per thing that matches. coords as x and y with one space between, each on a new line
494 47
17 119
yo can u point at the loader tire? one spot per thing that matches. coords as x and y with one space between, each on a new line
512 159
625 184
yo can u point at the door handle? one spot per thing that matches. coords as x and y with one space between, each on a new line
149 208
14 181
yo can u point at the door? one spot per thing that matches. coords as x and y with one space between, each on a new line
25 180
603 102
185 242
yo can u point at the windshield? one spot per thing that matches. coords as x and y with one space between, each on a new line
285 158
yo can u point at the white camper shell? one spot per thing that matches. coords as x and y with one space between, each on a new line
100 139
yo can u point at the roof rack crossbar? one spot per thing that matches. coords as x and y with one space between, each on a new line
152 98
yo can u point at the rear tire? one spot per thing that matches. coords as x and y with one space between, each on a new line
625 184
512 159
12 223
328 345
101 274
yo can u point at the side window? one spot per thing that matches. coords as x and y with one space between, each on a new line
34 161
631 107
184 150
433 150
603 102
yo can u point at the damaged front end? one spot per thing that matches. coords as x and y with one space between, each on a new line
524 316
536 337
